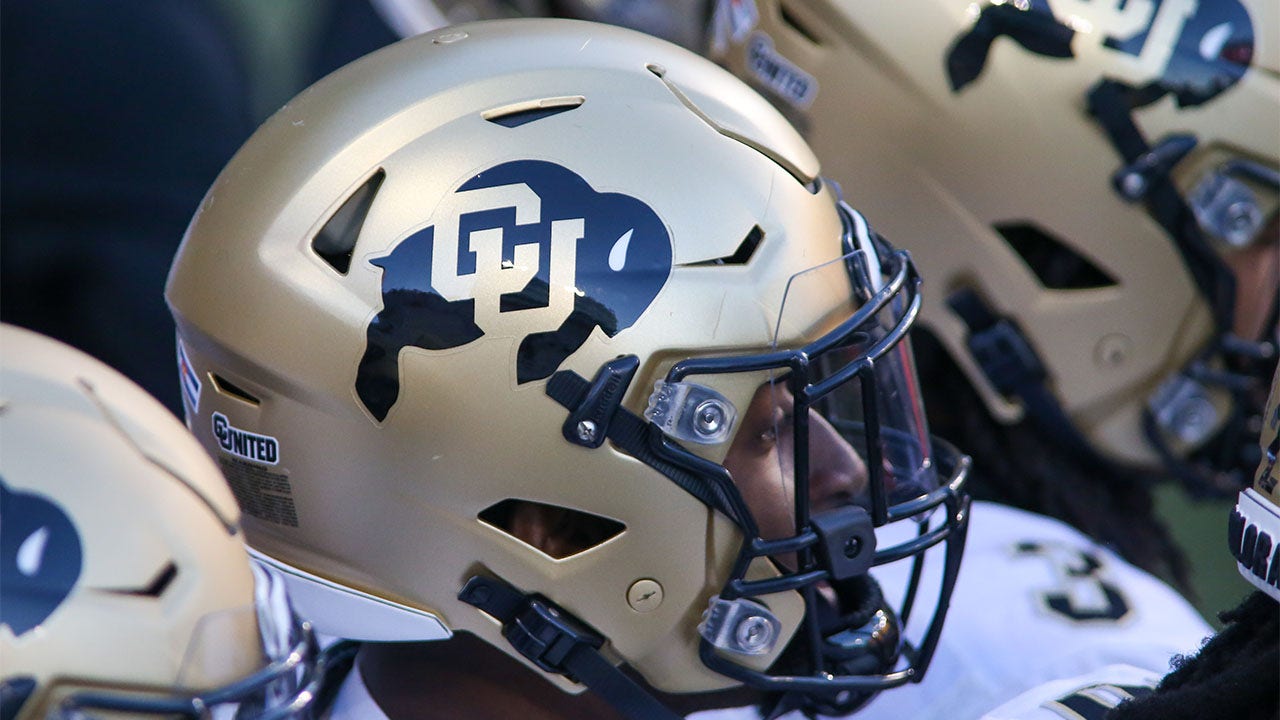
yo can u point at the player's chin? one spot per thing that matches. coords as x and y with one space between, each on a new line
860 635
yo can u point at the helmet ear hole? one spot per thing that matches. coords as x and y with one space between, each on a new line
559 532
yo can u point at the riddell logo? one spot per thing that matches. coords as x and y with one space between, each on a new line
244 444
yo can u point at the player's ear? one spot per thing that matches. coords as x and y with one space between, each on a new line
543 526
556 531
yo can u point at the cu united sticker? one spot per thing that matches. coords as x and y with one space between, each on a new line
244 444
527 249
779 74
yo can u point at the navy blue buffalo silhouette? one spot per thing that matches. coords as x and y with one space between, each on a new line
1211 53
40 558
622 261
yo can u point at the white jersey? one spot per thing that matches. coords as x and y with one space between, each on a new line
353 701
1036 601
1086 697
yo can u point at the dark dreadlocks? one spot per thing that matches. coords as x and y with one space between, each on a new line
1235 675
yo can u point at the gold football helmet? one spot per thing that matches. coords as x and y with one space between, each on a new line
564 266
1254 528
125 588
1077 180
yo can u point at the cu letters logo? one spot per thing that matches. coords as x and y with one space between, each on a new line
40 558
526 249
1194 49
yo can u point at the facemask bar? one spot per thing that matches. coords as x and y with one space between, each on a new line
197 706
825 681
304 656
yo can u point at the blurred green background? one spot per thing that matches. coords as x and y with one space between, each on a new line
1200 528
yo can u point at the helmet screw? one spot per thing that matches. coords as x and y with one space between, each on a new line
1240 222
709 416
852 547
1134 185
1194 419
644 595
754 634
1112 350
586 431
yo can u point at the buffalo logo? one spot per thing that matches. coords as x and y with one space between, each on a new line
1194 49
40 558
526 249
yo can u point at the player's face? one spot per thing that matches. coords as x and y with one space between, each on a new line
762 458
1257 272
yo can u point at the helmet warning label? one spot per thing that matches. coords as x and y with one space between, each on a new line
260 491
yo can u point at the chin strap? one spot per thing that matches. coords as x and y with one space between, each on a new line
559 644
1005 356
596 414
1145 177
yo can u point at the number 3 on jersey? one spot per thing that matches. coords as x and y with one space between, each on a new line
1081 592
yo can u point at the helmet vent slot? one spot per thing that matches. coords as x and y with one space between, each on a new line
788 17
158 584
1056 265
336 241
229 389
526 112
743 254
559 532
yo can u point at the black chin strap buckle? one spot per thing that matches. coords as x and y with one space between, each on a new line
1011 364
560 644
997 345
533 626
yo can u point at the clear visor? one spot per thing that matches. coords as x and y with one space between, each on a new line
830 447
848 429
